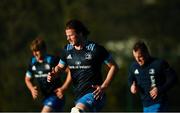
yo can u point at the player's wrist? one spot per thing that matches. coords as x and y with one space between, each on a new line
103 87
57 69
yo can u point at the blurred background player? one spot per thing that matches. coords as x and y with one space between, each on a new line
151 77
40 65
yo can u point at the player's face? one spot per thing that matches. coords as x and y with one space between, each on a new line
72 36
139 57
38 55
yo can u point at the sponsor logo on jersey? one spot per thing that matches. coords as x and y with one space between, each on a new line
78 62
40 72
90 47
69 56
79 67
40 75
33 68
89 101
136 72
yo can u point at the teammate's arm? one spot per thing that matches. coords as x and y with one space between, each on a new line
31 87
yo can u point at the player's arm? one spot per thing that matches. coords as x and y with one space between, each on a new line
132 83
170 77
170 80
58 68
134 88
68 80
60 91
31 87
113 68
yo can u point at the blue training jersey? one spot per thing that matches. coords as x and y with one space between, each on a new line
155 72
39 71
85 66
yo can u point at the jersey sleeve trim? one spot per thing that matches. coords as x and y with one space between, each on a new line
61 62
106 61
49 59
33 60
29 74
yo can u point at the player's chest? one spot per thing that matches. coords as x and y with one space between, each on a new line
75 58
41 68
144 74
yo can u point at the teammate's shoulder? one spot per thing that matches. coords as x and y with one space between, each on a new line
33 60
50 58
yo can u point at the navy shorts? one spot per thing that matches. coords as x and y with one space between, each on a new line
54 102
159 107
91 103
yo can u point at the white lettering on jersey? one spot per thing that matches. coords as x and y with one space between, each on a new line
41 75
79 67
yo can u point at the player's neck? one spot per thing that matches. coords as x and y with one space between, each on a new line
78 47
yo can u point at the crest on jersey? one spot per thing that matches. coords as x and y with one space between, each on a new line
47 66
69 56
78 62
88 56
136 72
40 72
152 71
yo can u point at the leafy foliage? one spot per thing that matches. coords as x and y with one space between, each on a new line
155 21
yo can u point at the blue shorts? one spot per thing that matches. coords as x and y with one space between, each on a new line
91 103
156 108
54 102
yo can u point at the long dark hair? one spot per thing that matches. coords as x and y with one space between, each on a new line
78 26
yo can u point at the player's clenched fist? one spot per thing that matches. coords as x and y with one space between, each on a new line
50 75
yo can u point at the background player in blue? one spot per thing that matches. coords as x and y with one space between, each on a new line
85 59
152 77
40 64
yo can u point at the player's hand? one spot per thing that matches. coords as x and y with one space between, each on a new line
59 93
98 92
34 92
154 92
50 75
134 88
